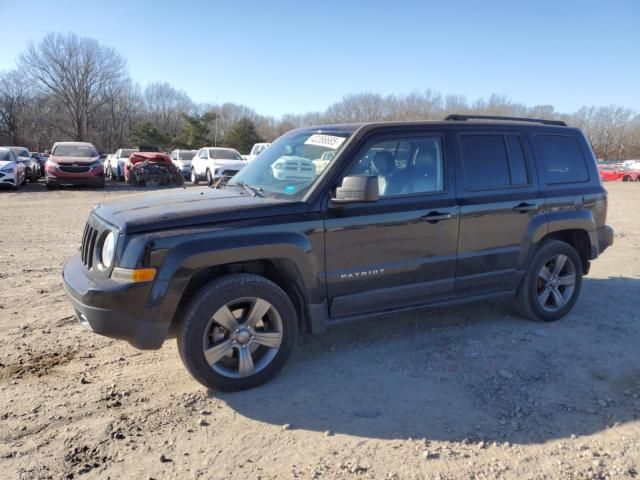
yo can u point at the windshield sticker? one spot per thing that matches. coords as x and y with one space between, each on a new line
290 189
327 141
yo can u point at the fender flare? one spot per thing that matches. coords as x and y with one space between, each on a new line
188 258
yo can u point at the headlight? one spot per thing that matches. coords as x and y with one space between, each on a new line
108 250
8 168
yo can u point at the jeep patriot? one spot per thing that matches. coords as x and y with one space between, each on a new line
402 216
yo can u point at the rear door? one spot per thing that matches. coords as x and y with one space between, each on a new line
499 200
401 250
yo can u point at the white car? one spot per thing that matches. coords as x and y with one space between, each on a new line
214 162
115 168
182 160
12 171
256 150
632 165
291 167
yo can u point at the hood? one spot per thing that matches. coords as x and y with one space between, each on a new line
4 163
72 160
234 164
176 208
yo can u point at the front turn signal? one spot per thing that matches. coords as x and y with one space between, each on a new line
135 275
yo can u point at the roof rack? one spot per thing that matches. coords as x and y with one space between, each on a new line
457 117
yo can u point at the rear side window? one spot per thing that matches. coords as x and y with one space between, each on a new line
562 159
493 161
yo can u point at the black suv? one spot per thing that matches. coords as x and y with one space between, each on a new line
403 215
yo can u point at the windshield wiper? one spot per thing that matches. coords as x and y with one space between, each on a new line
250 188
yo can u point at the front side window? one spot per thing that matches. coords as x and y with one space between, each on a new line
292 164
5 156
562 159
404 166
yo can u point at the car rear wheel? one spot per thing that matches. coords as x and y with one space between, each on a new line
209 177
551 285
194 177
237 332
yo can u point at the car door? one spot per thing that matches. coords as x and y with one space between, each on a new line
401 250
499 202
200 160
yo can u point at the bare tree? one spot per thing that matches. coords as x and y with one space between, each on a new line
76 71
166 105
14 100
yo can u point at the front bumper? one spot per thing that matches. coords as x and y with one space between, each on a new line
95 181
113 309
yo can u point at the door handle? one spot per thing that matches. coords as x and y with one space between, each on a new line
435 216
525 207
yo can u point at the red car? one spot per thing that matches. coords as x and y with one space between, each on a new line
151 169
609 173
74 163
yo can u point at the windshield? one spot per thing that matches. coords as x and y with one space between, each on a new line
86 151
259 149
292 164
20 152
186 155
125 152
5 156
220 154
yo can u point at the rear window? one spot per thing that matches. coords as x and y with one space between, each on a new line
493 161
562 159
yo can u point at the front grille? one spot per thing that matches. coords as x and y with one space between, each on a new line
74 168
88 245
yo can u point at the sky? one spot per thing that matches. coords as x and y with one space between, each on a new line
297 56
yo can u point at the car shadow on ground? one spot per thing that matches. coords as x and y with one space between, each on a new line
475 372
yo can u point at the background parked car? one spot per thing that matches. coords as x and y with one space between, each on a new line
115 168
182 160
256 150
152 169
11 171
611 173
214 162
41 161
31 166
74 163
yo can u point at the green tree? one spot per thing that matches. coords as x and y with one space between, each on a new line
242 135
195 132
148 134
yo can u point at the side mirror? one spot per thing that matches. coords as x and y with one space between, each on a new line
357 189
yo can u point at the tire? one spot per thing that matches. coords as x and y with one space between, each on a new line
50 186
179 179
209 177
198 328
109 173
533 287
194 177
626 178
34 176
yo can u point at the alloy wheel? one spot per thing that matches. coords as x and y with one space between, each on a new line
242 337
556 283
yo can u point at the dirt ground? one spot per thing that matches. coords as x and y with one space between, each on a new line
465 392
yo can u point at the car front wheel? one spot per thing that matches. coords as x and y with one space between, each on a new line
551 285
237 332
194 177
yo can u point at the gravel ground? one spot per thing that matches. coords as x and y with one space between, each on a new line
466 392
